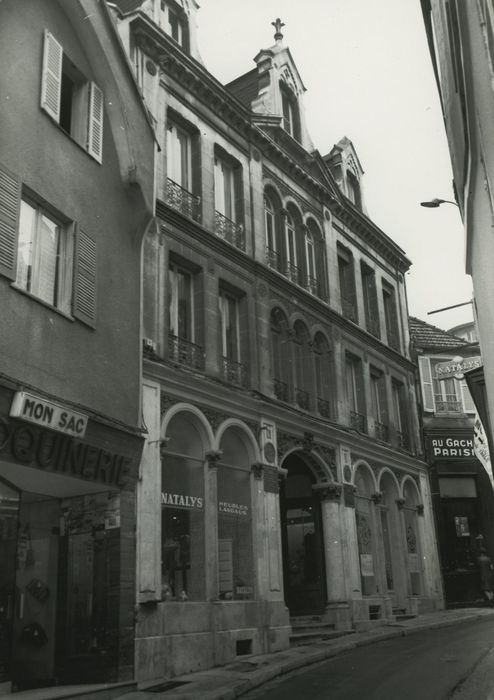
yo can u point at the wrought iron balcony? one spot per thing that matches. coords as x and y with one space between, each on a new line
234 372
182 200
272 258
292 272
358 422
382 431
349 309
185 352
323 407
229 230
403 439
280 389
312 285
302 399
448 405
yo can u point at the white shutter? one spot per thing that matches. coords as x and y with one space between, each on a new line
95 125
427 387
51 78
468 404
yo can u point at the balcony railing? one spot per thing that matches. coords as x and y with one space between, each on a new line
403 439
358 422
349 309
302 399
323 407
448 405
292 272
182 200
382 431
234 372
185 352
229 230
280 389
312 285
272 258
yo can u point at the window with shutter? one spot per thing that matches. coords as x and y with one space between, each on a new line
75 103
468 404
426 381
84 304
10 197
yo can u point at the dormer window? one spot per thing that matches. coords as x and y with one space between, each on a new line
291 120
353 189
173 22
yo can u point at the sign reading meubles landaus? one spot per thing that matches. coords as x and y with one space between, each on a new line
458 446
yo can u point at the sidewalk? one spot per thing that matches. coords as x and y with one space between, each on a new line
231 681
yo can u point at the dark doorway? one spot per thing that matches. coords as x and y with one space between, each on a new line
302 541
9 518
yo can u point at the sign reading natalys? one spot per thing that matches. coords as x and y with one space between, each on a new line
48 414
457 367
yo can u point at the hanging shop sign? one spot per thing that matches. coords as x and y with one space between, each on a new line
48 414
450 447
457 367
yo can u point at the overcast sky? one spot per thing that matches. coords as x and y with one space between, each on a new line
368 74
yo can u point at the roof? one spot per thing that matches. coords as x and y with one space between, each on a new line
426 336
245 87
126 6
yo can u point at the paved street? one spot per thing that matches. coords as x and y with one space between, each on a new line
425 666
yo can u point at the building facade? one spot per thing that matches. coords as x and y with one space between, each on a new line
461 488
460 38
76 196
283 474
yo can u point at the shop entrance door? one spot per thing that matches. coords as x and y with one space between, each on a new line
303 561
9 518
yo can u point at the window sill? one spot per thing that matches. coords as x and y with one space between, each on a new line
44 303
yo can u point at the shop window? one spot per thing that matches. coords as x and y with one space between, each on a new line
371 308
75 103
45 255
348 292
379 404
354 382
412 538
9 514
364 516
182 519
235 558
391 316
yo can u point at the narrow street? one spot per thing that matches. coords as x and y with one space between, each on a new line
425 666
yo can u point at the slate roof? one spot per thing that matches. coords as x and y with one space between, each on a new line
428 337
245 87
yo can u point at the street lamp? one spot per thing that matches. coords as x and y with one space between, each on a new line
434 203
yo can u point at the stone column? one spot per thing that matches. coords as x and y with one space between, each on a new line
211 524
330 496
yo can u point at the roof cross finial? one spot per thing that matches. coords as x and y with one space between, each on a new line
278 24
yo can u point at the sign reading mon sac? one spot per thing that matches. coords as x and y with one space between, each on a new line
48 414
450 447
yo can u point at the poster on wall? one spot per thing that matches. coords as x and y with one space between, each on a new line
366 565
461 526
413 563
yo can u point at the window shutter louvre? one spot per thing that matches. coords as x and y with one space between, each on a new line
51 78
84 304
427 388
10 197
95 127
468 404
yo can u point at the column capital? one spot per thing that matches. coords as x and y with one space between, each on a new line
400 502
328 492
213 457
377 497
258 470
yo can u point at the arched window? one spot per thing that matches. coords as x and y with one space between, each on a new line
391 535
310 257
272 228
235 558
270 225
291 115
302 355
364 515
323 374
291 248
280 360
410 494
